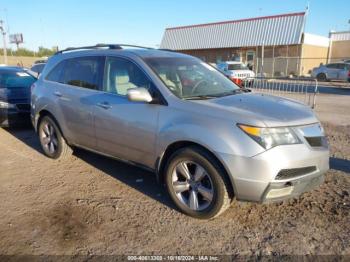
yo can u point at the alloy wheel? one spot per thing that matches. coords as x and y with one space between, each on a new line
192 185
49 138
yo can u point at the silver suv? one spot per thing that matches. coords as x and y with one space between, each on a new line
334 71
205 138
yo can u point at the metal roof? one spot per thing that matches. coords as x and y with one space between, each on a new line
340 36
284 29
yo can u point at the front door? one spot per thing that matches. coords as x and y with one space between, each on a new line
125 129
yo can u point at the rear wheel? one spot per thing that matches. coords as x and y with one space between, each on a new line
52 141
197 184
321 77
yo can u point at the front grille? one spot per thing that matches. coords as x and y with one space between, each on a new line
316 141
295 172
23 107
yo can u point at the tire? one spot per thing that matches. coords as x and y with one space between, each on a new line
51 140
321 77
213 192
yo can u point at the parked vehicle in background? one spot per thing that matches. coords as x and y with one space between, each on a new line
171 113
15 86
42 60
38 68
333 71
236 71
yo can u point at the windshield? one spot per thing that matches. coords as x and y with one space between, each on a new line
237 67
16 79
190 78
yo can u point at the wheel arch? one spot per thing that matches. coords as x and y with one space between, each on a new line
322 73
173 147
44 113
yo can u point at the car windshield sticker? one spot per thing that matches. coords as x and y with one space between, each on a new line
22 74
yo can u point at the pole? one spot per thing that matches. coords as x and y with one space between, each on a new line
4 41
287 57
273 61
262 59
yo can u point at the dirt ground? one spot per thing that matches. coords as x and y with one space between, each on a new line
92 205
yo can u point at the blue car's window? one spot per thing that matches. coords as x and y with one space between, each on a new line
16 79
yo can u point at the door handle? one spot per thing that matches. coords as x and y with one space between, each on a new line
58 94
104 105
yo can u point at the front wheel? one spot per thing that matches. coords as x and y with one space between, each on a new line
197 184
51 139
321 77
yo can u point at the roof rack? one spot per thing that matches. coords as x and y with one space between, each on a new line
165 49
109 46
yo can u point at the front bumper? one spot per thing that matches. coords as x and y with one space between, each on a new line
13 117
256 178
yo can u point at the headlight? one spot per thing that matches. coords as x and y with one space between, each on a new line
270 137
6 105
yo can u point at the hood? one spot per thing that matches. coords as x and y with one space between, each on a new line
273 111
15 95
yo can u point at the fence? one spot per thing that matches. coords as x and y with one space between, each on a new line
303 90
286 66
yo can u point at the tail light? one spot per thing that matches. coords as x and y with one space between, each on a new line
237 81
349 73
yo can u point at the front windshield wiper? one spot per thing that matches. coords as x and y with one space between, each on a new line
228 93
201 97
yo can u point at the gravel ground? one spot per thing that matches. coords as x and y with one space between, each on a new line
92 205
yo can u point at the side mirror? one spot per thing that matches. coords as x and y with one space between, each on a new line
139 94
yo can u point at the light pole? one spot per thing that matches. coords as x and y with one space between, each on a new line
4 40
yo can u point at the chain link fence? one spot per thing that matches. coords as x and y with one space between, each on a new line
291 66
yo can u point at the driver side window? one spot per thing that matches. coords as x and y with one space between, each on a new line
121 75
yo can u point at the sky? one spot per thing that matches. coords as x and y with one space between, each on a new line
66 23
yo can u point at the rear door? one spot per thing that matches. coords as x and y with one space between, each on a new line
343 71
332 71
80 81
125 129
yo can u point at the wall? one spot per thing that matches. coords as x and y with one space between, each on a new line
312 56
340 50
26 61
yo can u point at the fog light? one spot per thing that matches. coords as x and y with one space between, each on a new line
279 192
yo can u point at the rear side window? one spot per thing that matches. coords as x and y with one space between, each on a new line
84 72
341 66
332 66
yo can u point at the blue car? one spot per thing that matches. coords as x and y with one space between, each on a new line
15 86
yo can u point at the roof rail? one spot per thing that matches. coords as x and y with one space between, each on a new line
168 50
109 46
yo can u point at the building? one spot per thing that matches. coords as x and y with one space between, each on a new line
340 46
273 45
